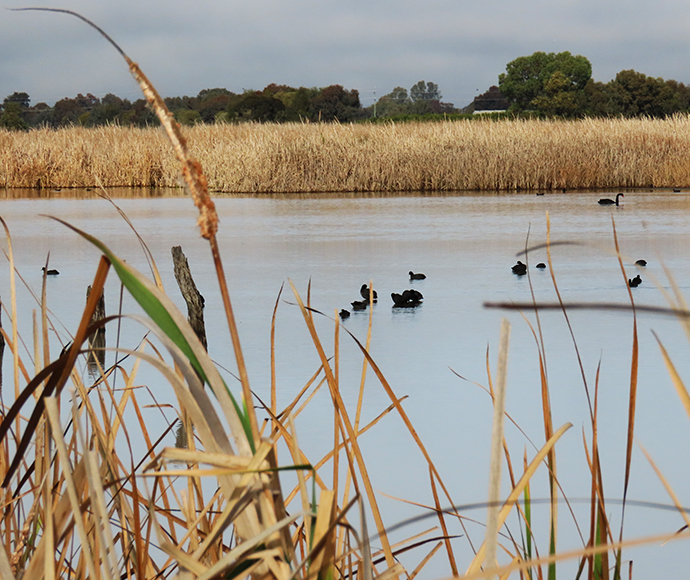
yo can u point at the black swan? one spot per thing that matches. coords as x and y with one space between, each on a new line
50 272
635 282
414 276
520 269
398 300
364 291
641 263
408 299
541 265
412 295
344 314
607 201
359 305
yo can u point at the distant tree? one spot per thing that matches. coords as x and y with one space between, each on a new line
22 99
559 98
681 95
547 77
598 100
398 95
206 94
425 92
40 115
111 109
67 112
335 103
11 117
296 104
88 102
187 117
397 102
491 100
274 89
143 115
213 103
177 103
634 94
254 106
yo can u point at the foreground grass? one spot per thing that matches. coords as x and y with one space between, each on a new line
449 156
75 506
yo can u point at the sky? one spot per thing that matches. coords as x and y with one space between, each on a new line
369 45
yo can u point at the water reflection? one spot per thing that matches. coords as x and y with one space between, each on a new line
174 192
91 193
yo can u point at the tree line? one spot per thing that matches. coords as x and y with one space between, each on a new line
275 103
542 84
561 85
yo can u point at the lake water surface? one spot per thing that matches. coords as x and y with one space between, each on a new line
466 245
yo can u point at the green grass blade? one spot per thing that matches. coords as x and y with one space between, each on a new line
160 309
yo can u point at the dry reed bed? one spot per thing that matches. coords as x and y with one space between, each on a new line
477 155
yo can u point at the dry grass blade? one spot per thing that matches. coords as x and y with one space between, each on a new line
338 402
517 491
675 377
442 522
5 567
425 560
13 302
322 562
572 554
67 470
672 494
497 446
632 398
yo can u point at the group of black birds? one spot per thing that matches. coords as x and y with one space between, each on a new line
408 299
520 269
636 281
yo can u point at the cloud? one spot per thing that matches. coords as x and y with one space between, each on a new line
370 46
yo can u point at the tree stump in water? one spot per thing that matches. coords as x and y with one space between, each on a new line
192 296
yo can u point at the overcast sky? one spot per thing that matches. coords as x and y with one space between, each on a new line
368 45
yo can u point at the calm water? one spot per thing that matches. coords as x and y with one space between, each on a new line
465 245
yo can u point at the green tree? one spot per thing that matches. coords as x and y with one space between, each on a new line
425 92
21 98
634 94
187 117
109 110
11 117
296 103
548 77
398 95
210 102
397 102
255 106
559 98
334 103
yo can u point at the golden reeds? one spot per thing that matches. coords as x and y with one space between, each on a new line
447 156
